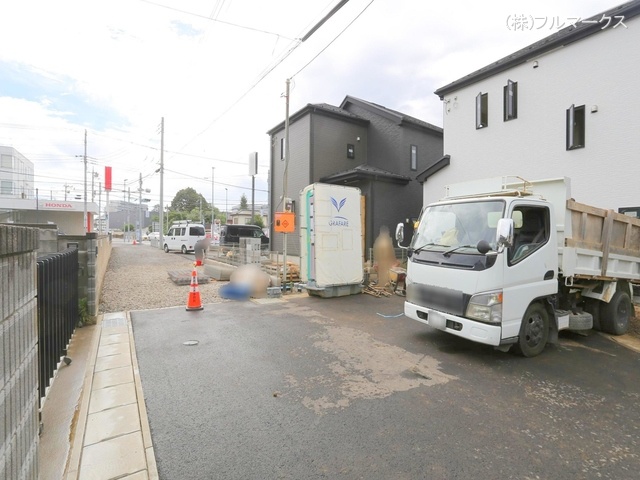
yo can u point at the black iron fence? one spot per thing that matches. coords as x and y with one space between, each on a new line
57 310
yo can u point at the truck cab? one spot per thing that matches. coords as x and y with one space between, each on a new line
486 264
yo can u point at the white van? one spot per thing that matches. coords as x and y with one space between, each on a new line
183 236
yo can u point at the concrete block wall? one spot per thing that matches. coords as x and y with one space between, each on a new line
94 252
19 420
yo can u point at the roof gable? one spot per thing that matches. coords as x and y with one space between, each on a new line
392 115
321 108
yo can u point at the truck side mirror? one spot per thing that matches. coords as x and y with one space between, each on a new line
400 234
504 234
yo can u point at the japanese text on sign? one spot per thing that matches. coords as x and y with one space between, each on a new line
523 22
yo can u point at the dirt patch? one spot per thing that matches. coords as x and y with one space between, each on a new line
634 324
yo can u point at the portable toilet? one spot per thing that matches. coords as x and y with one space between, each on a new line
331 250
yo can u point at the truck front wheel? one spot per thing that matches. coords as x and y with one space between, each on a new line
615 315
534 331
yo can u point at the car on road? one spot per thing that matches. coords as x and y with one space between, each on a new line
183 236
230 235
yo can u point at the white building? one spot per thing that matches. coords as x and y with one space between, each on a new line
568 105
19 203
16 174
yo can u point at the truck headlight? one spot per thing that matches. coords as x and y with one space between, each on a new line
486 307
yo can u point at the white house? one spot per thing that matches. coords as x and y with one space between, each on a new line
568 105
16 174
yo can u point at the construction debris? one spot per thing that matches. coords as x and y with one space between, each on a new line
376 291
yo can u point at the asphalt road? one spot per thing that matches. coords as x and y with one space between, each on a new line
345 388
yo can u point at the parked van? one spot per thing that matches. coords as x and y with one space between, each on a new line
230 234
183 236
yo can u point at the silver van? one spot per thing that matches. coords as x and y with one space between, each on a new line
183 236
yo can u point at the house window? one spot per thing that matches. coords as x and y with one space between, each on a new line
282 148
6 187
351 151
6 161
575 127
482 110
414 157
510 92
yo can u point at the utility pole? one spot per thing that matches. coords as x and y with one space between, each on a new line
93 191
253 170
128 212
285 179
161 237
140 210
213 212
85 182
100 208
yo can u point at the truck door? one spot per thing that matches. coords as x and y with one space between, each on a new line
531 264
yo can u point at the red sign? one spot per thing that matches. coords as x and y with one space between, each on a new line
56 205
107 178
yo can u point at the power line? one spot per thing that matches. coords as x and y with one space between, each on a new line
217 20
277 62
334 39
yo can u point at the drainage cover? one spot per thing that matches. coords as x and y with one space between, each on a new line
190 343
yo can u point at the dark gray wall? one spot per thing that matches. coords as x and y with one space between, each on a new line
19 400
330 137
298 177
389 147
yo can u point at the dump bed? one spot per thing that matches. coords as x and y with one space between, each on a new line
600 243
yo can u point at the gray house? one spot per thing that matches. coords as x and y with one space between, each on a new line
359 144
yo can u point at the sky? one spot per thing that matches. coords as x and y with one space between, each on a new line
216 72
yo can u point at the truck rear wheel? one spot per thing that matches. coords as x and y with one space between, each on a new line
615 315
534 331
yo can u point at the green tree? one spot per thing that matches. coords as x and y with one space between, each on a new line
187 199
257 220
243 202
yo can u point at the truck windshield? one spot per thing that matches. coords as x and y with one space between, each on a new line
460 225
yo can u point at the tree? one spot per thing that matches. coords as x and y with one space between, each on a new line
257 220
243 202
188 199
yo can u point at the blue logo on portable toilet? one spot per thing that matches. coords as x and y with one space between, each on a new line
338 221
340 205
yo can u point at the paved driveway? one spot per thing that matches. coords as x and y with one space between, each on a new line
346 388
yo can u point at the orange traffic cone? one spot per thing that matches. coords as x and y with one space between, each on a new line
194 301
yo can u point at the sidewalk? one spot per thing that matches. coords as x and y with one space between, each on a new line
113 439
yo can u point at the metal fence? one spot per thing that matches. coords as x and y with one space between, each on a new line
57 310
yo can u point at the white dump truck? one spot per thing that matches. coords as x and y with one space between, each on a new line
507 262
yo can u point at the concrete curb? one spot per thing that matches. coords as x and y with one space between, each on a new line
112 437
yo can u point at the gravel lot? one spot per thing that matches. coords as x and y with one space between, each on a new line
137 279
